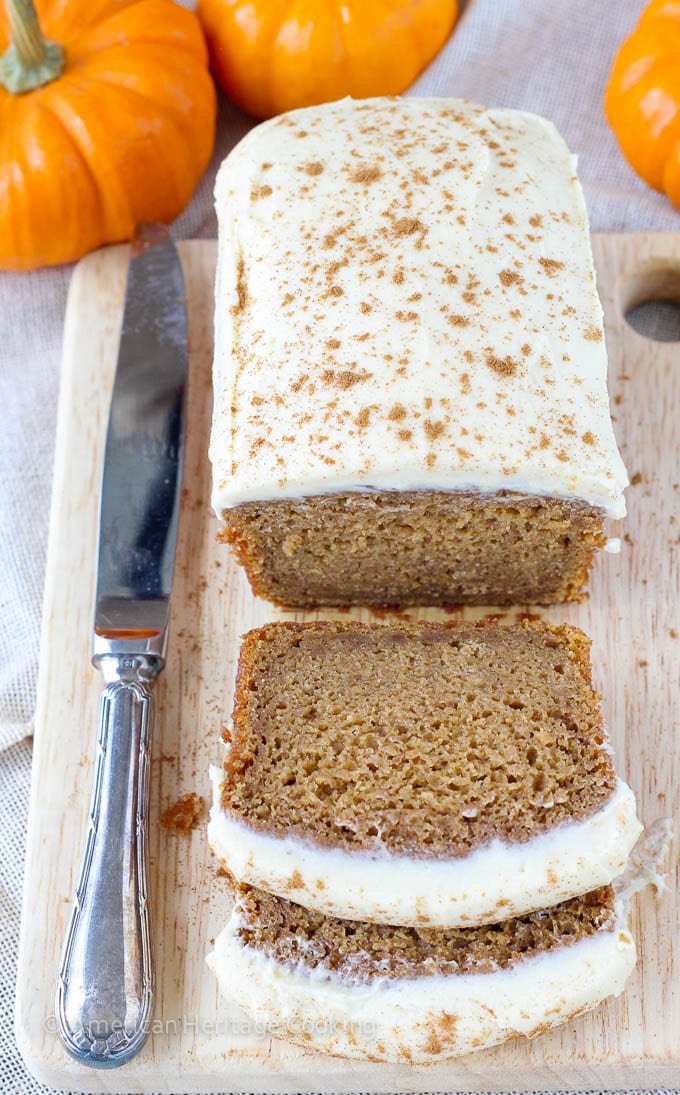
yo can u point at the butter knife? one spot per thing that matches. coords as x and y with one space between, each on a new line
105 985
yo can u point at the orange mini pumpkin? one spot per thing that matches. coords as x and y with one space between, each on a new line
107 119
642 101
275 55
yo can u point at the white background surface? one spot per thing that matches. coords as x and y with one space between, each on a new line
542 55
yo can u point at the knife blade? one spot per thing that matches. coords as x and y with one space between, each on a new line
105 984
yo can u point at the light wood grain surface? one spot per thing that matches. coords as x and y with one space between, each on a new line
200 1042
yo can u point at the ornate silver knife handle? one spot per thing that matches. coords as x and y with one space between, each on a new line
105 986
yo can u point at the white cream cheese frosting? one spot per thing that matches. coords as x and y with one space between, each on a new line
406 300
497 881
423 1018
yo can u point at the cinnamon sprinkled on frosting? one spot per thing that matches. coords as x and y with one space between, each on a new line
432 257
368 173
551 266
504 366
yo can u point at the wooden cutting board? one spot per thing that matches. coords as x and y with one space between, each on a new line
201 1043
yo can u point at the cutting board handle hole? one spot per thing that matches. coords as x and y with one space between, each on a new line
650 300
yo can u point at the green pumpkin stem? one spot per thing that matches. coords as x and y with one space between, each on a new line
30 60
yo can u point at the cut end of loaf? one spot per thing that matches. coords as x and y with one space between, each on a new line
416 548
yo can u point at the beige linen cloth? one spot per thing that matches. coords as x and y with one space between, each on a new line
541 55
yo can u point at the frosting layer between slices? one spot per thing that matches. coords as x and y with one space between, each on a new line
492 883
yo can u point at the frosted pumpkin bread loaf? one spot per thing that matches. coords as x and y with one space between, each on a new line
410 400
423 774
418 995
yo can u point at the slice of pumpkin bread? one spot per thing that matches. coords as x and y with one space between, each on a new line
386 993
420 773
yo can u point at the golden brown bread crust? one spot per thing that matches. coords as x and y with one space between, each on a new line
415 547
423 739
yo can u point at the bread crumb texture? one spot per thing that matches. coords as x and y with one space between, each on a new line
416 547
185 814
419 739
360 953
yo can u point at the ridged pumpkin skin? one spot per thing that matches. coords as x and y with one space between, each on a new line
121 137
275 55
642 100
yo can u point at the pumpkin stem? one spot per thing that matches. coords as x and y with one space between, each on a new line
30 60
